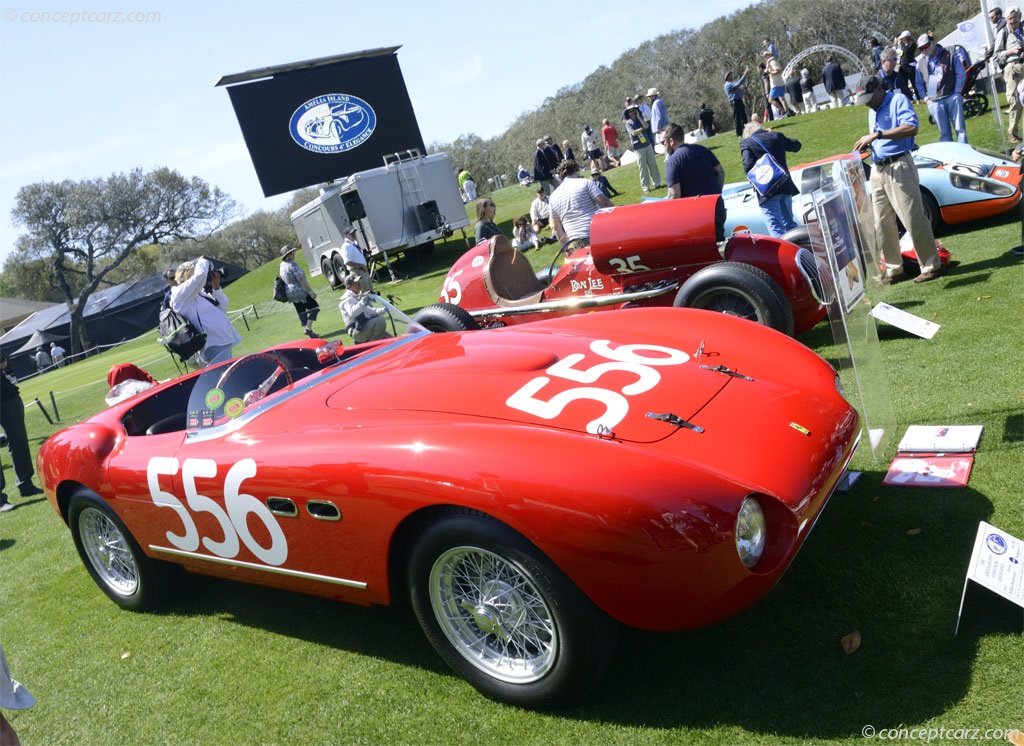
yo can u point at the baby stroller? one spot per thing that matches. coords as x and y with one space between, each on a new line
975 100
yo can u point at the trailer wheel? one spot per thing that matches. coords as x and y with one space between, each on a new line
445 317
327 267
339 268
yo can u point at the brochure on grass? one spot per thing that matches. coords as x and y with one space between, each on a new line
940 439
929 471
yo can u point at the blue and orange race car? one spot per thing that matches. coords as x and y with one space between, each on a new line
959 183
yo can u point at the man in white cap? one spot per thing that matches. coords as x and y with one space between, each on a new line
13 696
1009 56
908 55
939 80
355 260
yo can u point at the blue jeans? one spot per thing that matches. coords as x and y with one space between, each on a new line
947 111
778 214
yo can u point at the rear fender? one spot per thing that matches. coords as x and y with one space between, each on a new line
779 259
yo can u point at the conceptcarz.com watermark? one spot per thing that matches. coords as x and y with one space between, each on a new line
930 735
79 17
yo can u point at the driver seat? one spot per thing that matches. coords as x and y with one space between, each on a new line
508 275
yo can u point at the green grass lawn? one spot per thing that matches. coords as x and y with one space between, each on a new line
235 664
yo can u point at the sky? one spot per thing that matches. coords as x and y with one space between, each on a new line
91 89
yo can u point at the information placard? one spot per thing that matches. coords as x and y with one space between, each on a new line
996 564
908 322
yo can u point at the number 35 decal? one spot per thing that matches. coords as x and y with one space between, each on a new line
233 517
639 360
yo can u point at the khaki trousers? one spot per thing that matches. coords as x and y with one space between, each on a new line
896 193
1012 74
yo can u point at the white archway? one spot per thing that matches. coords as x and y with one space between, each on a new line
846 54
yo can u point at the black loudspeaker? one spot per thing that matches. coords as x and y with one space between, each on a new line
429 215
353 206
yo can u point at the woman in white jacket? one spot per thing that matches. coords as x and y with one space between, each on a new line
207 310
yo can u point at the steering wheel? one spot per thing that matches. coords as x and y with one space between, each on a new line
261 391
560 254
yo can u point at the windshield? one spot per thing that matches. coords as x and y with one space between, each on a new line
227 394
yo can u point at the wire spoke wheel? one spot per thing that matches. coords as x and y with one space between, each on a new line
490 610
738 289
108 552
730 301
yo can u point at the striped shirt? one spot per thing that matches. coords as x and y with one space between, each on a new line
575 202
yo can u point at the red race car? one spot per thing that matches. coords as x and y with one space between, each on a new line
529 489
663 253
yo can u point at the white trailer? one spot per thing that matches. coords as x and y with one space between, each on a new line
405 205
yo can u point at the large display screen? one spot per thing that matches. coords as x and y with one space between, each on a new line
317 121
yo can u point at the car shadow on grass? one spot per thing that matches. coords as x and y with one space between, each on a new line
388 633
885 562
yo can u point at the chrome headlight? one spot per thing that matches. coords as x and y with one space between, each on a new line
750 532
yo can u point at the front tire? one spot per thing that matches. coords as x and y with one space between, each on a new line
112 556
738 289
445 317
503 617
327 267
931 211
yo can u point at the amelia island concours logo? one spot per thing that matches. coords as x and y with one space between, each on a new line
332 123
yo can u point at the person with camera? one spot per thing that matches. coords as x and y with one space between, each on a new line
363 322
199 298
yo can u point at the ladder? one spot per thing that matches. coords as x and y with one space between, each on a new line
411 186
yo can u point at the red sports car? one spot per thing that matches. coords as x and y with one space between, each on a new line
666 253
529 488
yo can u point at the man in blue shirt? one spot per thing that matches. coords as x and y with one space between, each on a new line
734 92
895 187
659 117
939 80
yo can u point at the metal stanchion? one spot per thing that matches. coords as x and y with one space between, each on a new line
53 403
43 410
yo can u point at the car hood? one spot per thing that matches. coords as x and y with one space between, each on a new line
555 374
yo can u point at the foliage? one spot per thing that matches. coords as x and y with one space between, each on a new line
86 230
29 278
688 67
251 241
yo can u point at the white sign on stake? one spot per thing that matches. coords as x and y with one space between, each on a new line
997 563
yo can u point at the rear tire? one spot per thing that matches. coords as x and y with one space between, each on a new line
445 317
340 270
503 616
738 289
112 556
